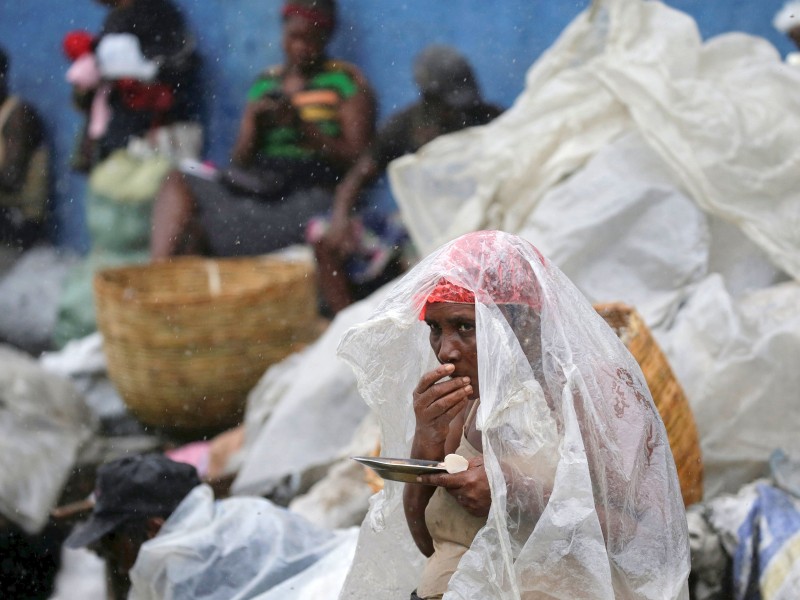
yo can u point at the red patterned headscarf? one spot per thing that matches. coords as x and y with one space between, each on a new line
487 262
322 14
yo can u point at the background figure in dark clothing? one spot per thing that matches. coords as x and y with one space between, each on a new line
138 105
164 38
24 177
356 252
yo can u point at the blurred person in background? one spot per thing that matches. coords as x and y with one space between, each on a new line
787 21
136 79
164 535
24 168
358 249
305 123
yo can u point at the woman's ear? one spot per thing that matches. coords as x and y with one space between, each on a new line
153 526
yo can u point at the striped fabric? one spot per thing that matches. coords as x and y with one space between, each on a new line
317 103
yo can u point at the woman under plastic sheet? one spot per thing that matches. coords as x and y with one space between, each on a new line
571 490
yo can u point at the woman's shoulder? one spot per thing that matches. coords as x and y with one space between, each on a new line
345 76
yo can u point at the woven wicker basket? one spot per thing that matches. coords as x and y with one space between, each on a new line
187 340
667 394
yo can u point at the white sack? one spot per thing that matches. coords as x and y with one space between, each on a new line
622 230
314 410
737 362
43 424
29 297
725 117
341 498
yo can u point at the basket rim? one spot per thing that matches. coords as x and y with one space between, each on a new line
104 287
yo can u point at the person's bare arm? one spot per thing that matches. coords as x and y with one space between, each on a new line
257 115
436 406
345 198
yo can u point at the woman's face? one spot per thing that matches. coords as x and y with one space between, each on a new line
453 338
303 42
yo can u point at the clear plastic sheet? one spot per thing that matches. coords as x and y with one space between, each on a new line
585 496
230 549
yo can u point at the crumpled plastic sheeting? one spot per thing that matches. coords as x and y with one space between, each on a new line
232 549
312 398
43 424
323 580
723 115
621 229
29 297
737 362
564 408
341 498
84 363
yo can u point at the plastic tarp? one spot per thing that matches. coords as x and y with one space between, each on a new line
585 501
43 424
724 116
29 296
622 230
231 549
324 579
310 397
737 361
641 161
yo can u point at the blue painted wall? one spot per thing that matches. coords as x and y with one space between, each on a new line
240 37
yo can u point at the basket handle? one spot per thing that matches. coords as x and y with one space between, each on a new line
214 279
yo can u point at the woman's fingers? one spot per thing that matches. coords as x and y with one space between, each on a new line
431 377
470 488
437 392
453 403
448 404
445 480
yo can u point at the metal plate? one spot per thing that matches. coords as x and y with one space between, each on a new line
401 469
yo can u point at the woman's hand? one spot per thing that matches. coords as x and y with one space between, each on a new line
470 488
437 404
267 111
273 111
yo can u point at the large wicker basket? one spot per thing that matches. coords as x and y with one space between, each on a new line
667 394
186 340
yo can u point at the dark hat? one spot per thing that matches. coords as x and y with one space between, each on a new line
140 486
442 72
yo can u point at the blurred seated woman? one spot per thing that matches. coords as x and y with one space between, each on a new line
305 123
571 490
